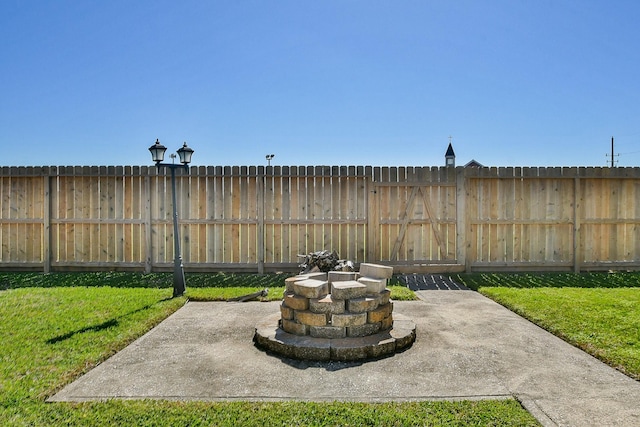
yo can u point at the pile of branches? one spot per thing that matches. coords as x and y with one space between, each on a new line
324 261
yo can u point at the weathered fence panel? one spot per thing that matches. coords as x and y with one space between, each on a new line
21 218
521 218
96 217
256 218
610 220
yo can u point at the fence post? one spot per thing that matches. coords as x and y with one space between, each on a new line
461 219
46 244
577 247
148 263
261 183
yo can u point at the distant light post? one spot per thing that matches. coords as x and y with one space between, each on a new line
269 157
157 155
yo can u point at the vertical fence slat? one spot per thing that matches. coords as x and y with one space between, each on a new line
260 187
295 228
277 242
285 215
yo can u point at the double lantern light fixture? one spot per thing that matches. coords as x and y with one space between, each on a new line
157 154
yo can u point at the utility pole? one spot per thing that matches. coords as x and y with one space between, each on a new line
613 161
611 151
613 156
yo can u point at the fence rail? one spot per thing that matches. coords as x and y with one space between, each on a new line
256 218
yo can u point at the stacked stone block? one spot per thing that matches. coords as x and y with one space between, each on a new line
337 316
338 304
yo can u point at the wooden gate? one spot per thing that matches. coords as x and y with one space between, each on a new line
414 223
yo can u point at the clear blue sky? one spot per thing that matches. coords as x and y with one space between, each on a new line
323 82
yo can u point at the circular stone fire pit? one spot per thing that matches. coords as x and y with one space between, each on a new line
338 316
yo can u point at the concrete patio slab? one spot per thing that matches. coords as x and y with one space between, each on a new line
467 347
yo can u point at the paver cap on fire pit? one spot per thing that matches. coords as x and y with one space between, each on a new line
337 315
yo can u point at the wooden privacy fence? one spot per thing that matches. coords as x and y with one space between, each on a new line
418 219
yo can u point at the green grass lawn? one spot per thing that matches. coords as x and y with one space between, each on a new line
55 327
598 312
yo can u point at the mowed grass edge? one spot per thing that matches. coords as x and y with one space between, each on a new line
53 334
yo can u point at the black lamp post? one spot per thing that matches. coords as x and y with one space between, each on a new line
157 155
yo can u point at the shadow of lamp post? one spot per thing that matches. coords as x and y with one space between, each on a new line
157 154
